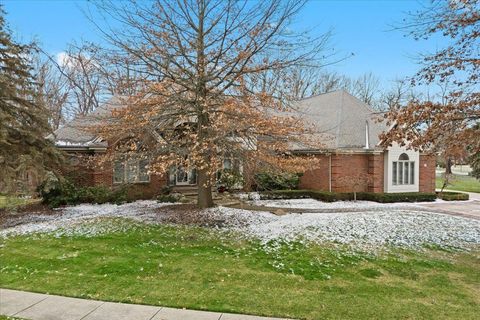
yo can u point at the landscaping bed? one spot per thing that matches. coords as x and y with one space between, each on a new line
348 196
453 196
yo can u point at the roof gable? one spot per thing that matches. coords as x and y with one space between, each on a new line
341 120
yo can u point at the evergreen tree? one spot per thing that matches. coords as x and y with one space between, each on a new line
23 122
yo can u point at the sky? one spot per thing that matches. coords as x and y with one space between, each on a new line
362 28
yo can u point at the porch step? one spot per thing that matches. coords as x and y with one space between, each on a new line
188 190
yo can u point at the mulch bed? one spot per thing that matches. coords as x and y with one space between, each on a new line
188 214
12 217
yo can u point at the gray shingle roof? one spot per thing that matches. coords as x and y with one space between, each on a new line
340 120
76 133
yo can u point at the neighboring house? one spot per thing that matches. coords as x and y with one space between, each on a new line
346 127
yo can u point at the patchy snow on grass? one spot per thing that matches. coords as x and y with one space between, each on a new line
309 203
376 225
72 217
406 228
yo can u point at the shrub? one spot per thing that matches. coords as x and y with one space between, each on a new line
166 190
342 196
230 179
277 181
167 198
58 193
397 197
299 194
453 196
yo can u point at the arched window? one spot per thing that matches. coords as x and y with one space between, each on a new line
403 171
403 156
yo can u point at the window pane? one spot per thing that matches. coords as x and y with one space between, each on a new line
406 176
403 156
192 177
142 171
118 172
171 176
132 171
227 164
394 173
400 173
412 172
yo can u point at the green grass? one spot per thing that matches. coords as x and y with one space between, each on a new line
10 202
203 269
460 183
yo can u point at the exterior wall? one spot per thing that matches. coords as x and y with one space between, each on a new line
427 173
96 176
77 169
318 178
348 165
345 165
376 171
392 154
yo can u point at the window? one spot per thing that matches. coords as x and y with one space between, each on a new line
118 172
130 171
403 171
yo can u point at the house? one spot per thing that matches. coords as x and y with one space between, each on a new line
346 126
350 132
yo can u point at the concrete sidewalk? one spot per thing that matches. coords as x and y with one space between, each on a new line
36 306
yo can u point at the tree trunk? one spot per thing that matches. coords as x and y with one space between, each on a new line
448 165
205 199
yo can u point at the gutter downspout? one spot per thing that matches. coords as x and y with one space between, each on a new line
330 173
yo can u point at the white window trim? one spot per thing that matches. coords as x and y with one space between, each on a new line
405 173
392 154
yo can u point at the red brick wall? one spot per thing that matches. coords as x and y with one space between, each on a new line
94 176
317 179
376 171
427 173
345 165
348 165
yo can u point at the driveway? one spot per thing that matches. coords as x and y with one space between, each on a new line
470 209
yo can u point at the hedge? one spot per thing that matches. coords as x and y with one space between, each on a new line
66 193
340 196
452 196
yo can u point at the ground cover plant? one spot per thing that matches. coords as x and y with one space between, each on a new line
460 183
214 269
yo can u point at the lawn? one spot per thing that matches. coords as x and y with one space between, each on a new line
200 268
9 202
460 183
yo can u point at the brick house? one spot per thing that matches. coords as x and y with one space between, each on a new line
345 125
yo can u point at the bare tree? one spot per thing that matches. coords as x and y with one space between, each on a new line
53 90
199 100
366 88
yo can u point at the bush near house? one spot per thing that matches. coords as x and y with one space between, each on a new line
276 181
58 193
343 196
452 196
